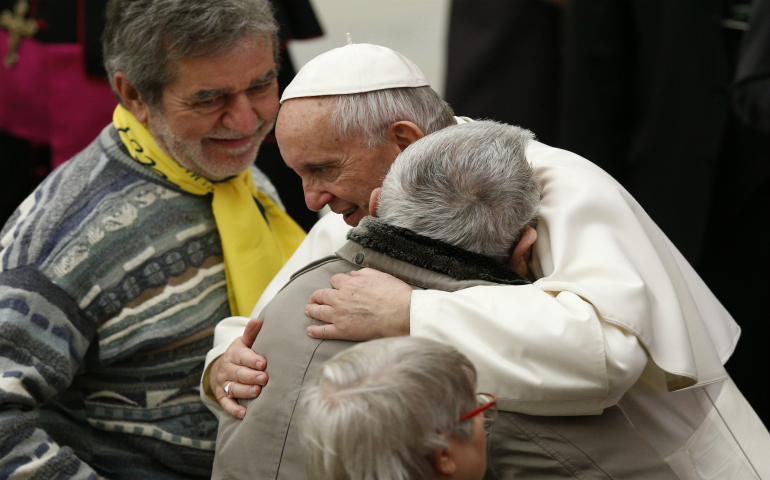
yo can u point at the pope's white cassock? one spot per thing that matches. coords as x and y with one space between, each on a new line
616 316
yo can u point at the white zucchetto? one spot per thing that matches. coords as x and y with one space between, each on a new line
354 68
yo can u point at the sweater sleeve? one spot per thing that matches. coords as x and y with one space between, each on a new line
43 340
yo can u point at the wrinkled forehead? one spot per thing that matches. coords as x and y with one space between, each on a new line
305 116
258 50
307 107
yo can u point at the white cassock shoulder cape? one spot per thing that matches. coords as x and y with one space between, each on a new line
612 293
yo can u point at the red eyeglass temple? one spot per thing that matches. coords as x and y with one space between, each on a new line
481 408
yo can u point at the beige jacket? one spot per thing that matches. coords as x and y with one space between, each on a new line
266 444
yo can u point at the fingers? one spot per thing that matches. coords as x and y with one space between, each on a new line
244 375
241 366
232 407
323 313
338 280
328 295
241 355
324 332
238 390
364 272
230 404
324 296
252 329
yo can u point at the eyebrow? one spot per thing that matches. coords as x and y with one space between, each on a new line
208 94
322 163
201 95
270 75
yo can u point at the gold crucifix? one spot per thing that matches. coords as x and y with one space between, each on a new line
18 27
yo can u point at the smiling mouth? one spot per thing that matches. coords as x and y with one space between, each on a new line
349 212
232 142
232 139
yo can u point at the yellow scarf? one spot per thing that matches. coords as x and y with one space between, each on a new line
254 249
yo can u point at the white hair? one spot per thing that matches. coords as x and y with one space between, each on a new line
468 185
378 409
369 114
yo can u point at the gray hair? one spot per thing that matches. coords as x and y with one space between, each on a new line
468 185
369 114
378 409
142 38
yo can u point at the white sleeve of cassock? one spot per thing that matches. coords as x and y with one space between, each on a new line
540 353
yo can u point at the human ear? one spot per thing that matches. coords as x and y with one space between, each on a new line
374 200
443 461
523 251
130 97
404 133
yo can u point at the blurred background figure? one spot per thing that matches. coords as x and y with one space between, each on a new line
398 408
55 99
751 91
646 96
297 21
503 62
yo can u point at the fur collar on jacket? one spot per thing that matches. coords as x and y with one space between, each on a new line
430 254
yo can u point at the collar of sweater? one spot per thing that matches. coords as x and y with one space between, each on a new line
418 250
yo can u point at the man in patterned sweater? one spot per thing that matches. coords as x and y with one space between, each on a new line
115 270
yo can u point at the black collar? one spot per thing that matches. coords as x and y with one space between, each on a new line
430 254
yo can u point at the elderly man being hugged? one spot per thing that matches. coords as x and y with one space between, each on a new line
450 210
116 269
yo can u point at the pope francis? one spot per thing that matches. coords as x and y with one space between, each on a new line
615 315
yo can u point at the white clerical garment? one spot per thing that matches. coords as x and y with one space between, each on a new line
612 294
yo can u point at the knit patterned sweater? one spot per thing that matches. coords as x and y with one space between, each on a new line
111 283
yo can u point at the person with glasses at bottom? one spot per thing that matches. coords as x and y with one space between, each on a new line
396 408
446 166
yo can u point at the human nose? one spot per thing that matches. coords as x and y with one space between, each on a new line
241 115
316 198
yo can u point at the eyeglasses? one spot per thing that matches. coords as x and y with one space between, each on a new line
487 404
